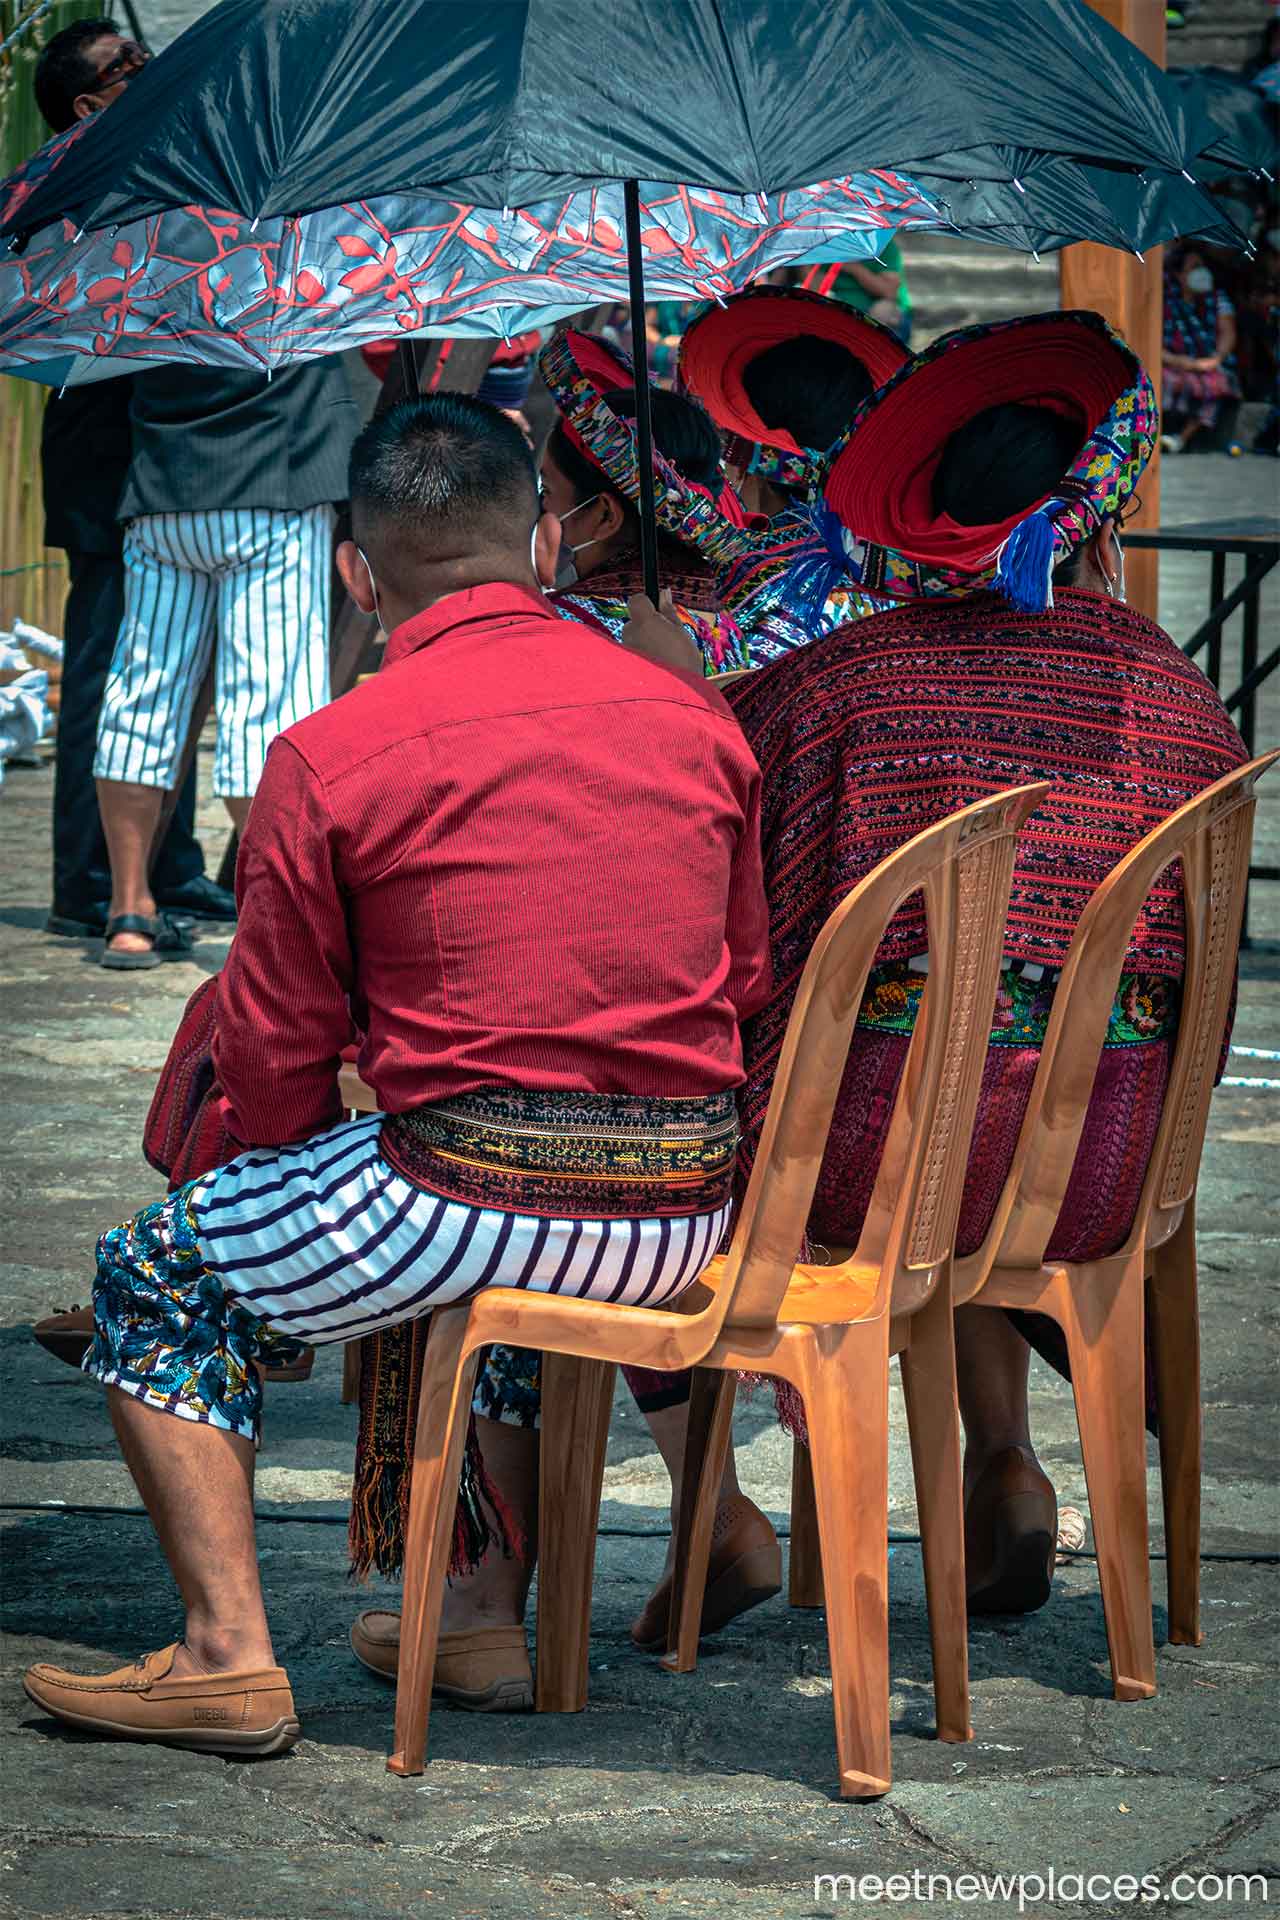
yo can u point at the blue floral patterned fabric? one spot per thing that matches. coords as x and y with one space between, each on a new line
168 1332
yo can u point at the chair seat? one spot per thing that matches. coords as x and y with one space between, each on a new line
818 1296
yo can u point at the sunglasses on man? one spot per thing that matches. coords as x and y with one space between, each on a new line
132 57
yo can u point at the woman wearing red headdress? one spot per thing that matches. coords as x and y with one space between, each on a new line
590 480
783 373
986 484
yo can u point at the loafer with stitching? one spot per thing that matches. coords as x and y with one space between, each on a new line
249 1713
485 1669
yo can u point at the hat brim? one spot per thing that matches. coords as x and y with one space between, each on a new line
579 371
880 479
721 343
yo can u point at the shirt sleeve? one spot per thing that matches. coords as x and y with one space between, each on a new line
747 923
284 1013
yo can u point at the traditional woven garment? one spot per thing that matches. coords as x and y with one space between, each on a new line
891 725
601 601
611 1157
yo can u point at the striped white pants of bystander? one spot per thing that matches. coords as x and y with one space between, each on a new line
245 586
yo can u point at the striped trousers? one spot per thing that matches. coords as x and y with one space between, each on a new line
325 1241
245 586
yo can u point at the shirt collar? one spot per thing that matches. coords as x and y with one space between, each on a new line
496 600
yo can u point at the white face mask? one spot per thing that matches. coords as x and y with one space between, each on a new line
1199 280
373 588
566 568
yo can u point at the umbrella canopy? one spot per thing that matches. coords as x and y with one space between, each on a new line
215 287
196 284
1246 126
273 108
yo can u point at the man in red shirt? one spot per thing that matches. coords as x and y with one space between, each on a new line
522 865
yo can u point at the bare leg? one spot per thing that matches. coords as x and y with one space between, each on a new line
197 1484
495 1594
238 807
668 1425
992 1365
130 814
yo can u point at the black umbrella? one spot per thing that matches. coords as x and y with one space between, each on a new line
275 108
1246 126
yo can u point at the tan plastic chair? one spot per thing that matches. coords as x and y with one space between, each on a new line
1099 1304
829 1329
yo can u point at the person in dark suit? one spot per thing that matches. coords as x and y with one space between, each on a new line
84 454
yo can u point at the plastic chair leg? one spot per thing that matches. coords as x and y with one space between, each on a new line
1175 1336
577 1396
804 1572
707 1436
929 1387
443 1413
1099 1307
843 1377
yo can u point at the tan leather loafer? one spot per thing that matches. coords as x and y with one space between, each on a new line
485 1669
744 1568
244 1713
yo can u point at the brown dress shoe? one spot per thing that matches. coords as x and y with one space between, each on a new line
1010 1535
485 1669
745 1568
244 1713
68 1335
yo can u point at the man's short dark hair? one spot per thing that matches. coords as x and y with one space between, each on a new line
1002 460
440 478
808 386
64 71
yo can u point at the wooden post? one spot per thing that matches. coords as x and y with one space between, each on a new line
1129 292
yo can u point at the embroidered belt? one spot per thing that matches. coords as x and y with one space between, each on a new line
582 1156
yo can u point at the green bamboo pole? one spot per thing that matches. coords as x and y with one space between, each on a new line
33 579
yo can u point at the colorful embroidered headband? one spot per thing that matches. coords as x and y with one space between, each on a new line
879 477
579 370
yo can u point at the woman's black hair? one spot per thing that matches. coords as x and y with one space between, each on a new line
1004 459
809 387
683 433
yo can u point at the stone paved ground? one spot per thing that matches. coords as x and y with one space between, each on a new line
670 1798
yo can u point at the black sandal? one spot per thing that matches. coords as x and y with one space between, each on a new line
165 935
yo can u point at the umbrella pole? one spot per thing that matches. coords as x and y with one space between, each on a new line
644 420
409 371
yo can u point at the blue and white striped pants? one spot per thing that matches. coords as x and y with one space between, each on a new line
325 1241
249 585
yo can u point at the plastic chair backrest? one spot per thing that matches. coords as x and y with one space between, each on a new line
964 867
1210 836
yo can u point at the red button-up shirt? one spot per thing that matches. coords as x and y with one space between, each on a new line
518 856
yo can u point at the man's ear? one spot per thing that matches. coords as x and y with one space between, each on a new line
355 576
546 549
85 105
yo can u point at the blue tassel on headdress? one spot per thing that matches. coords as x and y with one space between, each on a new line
818 567
1024 564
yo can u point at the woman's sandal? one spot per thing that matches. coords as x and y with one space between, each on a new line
165 935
